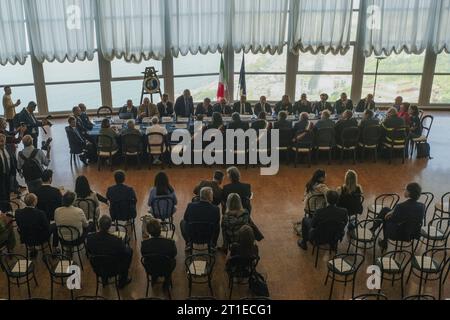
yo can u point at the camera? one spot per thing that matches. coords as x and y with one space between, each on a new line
46 144
48 120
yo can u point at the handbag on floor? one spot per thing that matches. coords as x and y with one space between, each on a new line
258 285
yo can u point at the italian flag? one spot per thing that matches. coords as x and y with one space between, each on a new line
222 80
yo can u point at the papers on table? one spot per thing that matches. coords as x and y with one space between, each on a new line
312 116
180 126
167 119
182 120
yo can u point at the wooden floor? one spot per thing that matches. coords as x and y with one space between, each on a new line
278 203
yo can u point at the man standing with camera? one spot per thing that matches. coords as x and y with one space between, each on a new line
26 117
9 107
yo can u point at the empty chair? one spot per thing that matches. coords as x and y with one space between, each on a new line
427 199
427 124
435 234
349 142
104 112
199 270
371 296
393 266
58 269
442 208
388 200
364 237
18 270
239 270
370 140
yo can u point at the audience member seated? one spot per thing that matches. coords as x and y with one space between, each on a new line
205 108
157 245
261 123
316 187
31 162
33 224
223 108
128 111
347 121
76 111
84 192
404 113
343 104
165 107
415 129
70 216
78 143
184 106
217 122
367 103
202 212
131 128
148 110
405 221
392 122
284 105
325 121
262 106
7 235
303 130
215 185
368 120
244 190
398 103
283 123
122 199
331 214
107 130
49 198
246 246
236 123
7 173
105 244
85 117
323 105
243 107
303 105
234 218
350 194
162 188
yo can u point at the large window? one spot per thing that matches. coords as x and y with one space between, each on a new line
398 75
441 81
130 89
199 73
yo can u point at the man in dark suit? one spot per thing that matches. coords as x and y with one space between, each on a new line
33 223
85 118
122 199
76 111
343 104
347 121
128 111
282 123
184 106
78 144
262 106
303 105
284 105
368 121
159 246
236 123
367 103
165 107
243 107
7 172
49 198
323 105
27 117
105 244
244 190
330 214
405 221
223 108
205 108
215 185
202 212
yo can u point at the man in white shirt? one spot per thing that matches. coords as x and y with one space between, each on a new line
155 140
9 107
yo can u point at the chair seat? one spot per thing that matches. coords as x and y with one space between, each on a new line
198 268
132 154
388 265
340 266
395 146
324 148
346 148
439 207
301 150
368 147
156 150
21 268
375 209
119 234
362 234
104 154
432 233
282 149
62 267
426 264
420 139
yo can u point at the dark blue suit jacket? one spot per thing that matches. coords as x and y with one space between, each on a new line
122 201
180 107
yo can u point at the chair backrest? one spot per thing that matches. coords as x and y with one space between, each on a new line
105 266
371 135
325 137
396 136
163 207
68 234
427 199
328 233
105 143
396 260
74 145
350 137
131 143
427 124
371 296
104 111
156 142
314 203
158 265
88 206
200 233
122 210
387 200
439 256
285 138
200 265
419 297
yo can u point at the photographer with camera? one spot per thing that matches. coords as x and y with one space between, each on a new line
31 163
9 107
27 118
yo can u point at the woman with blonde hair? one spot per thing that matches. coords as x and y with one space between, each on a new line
350 194
233 220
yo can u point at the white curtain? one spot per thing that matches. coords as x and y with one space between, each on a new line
197 26
320 26
62 29
260 25
398 25
441 36
13 41
132 29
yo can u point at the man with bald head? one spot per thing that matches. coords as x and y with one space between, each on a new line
201 212
33 223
